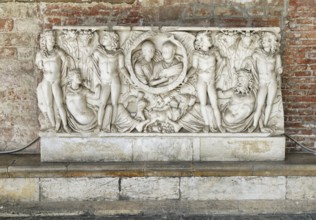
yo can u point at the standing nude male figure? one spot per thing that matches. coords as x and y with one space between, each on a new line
267 63
53 62
110 63
204 62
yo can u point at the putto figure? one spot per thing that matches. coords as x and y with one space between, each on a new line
110 63
205 60
267 63
54 63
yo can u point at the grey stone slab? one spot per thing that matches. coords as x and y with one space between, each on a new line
19 189
243 149
74 149
79 189
301 188
232 188
149 188
163 149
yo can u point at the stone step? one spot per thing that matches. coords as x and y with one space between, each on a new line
133 188
30 166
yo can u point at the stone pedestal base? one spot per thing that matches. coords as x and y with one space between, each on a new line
167 147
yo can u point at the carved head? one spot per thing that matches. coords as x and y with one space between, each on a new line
269 42
148 50
85 36
47 40
168 51
71 35
74 76
245 82
109 40
203 41
246 38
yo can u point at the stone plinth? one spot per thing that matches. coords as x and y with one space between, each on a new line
167 147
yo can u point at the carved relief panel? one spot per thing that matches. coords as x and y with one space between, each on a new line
167 80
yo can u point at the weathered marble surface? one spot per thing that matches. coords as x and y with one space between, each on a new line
301 188
160 80
19 189
233 188
151 188
79 189
152 147
100 84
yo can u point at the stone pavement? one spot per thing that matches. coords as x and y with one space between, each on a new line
174 217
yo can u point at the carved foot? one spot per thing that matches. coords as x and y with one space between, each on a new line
67 129
114 129
221 129
98 129
251 129
266 130
206 129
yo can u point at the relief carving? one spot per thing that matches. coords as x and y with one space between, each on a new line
154 81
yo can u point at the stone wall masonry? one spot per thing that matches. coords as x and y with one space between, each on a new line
22 20
237 188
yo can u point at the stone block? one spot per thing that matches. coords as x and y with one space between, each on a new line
16 10
6 25
27 25
79 189
19 190
242 148
150 188
232 188
26 53
16 39
162 149
7 52
301 188
91 149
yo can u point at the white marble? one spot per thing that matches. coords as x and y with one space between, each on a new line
233 188
79 189
242 149
55 149
162 149
175 147
150 188
160 80
155 83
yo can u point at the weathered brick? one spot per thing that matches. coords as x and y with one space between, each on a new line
152 3
232 22
203 10
6 25
8 53
171 13
227 11
16 39
18 10
27 25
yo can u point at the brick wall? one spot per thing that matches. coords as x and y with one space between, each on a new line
21 21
